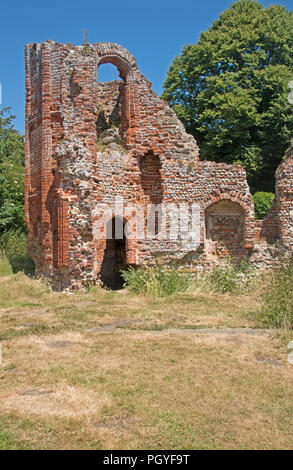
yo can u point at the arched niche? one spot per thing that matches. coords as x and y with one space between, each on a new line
225 229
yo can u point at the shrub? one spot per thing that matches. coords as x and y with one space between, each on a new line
13 247
231 277
157 281
11 174
277 308
262 203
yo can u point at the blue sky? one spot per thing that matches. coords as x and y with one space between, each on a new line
154 31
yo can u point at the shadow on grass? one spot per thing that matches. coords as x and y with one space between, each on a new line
23 263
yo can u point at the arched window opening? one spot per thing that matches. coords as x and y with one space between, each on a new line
110 133
225 228
108 73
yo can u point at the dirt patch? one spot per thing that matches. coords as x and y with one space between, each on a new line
270 361
117 324
31 392
222 331
60 344
65 401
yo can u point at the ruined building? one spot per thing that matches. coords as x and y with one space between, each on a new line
91 144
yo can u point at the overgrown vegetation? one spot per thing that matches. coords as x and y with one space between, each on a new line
277 309
161 281
13 229
231 89
232 278
11 174
100 145
157 281
13 253
275 289
263 201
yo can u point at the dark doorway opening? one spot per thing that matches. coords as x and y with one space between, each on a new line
114 255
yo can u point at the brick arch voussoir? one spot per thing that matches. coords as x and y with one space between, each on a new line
210 200
118 56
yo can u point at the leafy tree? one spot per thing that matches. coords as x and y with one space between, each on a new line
262 203
11 174
231 89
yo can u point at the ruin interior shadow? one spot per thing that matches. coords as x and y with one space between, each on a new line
114 259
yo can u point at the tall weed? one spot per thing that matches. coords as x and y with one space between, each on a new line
277 298
232 278
156 281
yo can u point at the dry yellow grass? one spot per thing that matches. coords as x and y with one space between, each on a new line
110 370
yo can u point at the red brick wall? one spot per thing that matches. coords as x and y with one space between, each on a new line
284 197
87 143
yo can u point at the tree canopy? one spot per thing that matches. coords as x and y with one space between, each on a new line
11 174
231 89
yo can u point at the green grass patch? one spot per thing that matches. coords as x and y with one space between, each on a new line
8 435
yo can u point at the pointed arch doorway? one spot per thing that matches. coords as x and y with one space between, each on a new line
114 259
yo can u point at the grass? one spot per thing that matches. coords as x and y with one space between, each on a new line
13 253
7 441
117 370
5 266
36 309
100 145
